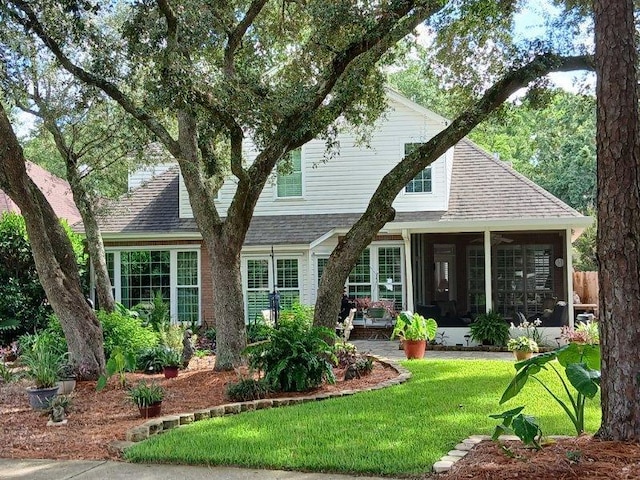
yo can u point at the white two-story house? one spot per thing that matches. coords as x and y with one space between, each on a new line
470 233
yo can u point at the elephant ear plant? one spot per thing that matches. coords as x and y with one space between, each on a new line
413 326
581 364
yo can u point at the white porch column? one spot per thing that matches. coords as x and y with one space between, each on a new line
487 271
569 271
406 236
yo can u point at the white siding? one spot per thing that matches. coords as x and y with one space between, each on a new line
145 174
345 183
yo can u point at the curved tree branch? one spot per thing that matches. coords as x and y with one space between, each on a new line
235 36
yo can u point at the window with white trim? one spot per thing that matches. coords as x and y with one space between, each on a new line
144 273
287 281
421 183
379 274
187 286
138 275
390 285
289 183
257 287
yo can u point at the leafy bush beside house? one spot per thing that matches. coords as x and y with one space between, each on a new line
125 332
23 306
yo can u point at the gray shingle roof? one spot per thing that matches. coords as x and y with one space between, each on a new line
481 188
486 188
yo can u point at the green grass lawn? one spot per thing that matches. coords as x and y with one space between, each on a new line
395 431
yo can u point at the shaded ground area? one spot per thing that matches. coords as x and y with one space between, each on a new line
98 418
573 458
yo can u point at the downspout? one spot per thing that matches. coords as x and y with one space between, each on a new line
487 272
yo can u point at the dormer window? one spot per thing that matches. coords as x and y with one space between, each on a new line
421 183
290 184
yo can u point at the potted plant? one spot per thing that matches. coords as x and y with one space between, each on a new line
490 329
414 331
522 347
43 366
171 361
67 378
147 397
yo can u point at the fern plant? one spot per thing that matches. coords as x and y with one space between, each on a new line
295 358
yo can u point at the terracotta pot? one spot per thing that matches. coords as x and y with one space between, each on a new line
152 410
170 372
520 355
414 349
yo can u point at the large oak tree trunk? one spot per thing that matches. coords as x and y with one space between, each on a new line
228 303
53 255
618 218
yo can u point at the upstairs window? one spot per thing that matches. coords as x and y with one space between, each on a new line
290 184
421 183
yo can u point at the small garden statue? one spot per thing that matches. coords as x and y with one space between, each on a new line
188 348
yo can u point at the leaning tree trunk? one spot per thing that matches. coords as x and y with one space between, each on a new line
53 255
94 238
618 156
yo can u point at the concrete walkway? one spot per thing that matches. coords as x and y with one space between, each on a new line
86 470
99 470
389 349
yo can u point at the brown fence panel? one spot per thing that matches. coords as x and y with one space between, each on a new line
585 284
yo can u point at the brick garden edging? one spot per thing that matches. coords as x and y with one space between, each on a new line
460 450
162 424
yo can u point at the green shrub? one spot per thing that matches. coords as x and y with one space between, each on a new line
151 360
298 314
490 327
52 338
154 314
125 332
257 331
23 306
171 336
247 389
295 357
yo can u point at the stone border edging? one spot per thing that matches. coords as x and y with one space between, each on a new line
168 422
461 449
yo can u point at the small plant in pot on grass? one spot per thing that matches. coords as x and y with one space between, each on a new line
147 397
171 361
490 329
522 347
414 331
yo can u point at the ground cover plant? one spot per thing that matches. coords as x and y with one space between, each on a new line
400 430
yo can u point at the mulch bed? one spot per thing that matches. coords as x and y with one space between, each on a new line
98 418
572 458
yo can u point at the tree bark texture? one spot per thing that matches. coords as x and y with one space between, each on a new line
53 255
380 210
618 251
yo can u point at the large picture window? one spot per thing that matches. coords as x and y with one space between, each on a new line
137 276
